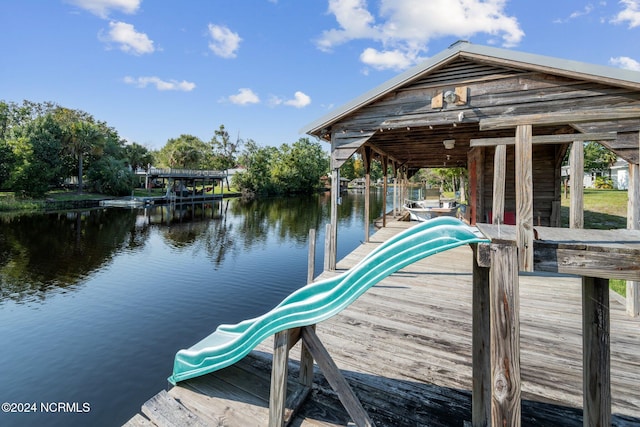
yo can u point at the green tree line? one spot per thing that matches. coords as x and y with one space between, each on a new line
43 145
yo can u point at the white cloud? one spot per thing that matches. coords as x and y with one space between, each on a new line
354 19
244 96
404 28
300 100
102 8
630 13
389 59
160 84
577 14
625 62
128 39
224 42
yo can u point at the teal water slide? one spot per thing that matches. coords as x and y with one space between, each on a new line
322 299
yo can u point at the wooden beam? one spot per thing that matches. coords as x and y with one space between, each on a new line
576 174
335 378
546 139
561 117
481 341
499 180
596 363
505 336
524 197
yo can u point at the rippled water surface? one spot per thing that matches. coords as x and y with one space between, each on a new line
94 304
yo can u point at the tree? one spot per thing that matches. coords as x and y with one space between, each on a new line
111 176
256 178
184 152
295 168
80 137
137 156
36 156
598 158
7 161
223 150
298 168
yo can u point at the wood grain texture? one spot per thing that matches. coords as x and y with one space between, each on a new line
576 208
596 356
524 196
405 347
499 178
279 376
505 336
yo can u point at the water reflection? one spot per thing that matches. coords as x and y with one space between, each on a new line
40 251
57 250
94 304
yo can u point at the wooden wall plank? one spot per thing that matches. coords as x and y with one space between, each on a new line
556 117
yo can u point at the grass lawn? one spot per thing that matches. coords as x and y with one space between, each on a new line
603 209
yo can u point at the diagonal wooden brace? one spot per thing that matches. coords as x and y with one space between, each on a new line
335 378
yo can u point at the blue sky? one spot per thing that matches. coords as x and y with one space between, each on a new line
265 68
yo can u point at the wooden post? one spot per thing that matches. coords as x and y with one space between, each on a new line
366 157
481 344
385 176
306 360
595 351
327 247
335 196
505 336
278 394
311 261
576 173
524 196
633 223
499 179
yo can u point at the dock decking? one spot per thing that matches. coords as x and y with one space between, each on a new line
405 349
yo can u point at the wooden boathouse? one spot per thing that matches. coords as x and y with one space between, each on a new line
184 184
521 330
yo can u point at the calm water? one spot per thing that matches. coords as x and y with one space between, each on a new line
94 304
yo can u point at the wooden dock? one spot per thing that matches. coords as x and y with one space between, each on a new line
405 349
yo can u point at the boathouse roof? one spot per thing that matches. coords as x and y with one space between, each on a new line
498 56
408 117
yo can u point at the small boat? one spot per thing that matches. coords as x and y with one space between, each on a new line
423 210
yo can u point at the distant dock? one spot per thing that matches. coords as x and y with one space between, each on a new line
405 348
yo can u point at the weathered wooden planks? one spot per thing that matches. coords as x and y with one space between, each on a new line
405 348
